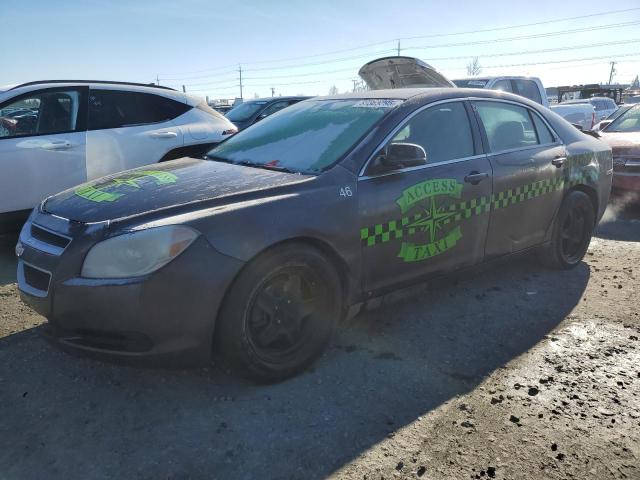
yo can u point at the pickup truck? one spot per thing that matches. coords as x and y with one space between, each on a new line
528 87
579 114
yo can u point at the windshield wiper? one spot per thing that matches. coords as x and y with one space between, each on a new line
278 168
219 159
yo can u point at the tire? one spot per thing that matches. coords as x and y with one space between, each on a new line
279 314
572 231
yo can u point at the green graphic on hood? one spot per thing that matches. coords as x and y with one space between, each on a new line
106 193
429 219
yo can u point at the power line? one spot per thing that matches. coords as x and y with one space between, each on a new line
543 50
435 35
480 42
529 37
624 55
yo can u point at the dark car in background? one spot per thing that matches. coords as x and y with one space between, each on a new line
252 111
258 251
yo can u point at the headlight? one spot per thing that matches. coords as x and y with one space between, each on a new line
137 253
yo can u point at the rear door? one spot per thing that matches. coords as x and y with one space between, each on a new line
528 160
42 150
432 218
128 129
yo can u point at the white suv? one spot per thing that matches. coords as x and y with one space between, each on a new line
57 134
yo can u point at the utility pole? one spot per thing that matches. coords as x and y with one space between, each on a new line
184 90
613 71
273 92
354 84
398 47
157 79
240 72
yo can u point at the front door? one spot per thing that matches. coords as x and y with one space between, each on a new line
527 160
431 218
42 146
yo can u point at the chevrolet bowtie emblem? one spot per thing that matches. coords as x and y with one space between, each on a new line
19 249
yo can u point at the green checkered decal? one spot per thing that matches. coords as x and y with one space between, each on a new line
400 228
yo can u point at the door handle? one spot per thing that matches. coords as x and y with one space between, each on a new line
56 145
163 135
475 178
559 161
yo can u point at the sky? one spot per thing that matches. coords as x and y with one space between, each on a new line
305 47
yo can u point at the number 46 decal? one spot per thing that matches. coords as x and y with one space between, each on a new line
346 192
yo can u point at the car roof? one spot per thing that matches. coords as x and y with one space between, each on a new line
111 85
429 94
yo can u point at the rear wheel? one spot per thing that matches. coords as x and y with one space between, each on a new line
572 231
280 313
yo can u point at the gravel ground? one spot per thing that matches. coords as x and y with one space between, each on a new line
517 372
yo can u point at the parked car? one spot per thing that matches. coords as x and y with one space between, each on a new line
258 251
68 132
581 115
251 111
621 109
527 87
623 135
603 106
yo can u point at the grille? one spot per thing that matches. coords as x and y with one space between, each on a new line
36 278
51 238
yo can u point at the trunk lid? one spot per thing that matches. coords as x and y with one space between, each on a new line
402 72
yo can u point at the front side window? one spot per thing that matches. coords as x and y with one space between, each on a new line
40 113
308 137
117 108
442 130
507 126
528 89
627 122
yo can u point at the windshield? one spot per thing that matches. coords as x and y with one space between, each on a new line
471 83
629 121
307 137
244 111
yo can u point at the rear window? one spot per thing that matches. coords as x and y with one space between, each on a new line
115 109
471 83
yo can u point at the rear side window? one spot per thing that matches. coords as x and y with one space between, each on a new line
114 109
443 131
544 135
507 126
528 89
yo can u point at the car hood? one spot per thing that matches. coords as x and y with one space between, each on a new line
401 72
623 143
162 186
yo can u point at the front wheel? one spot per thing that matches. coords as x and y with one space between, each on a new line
572 231
280 313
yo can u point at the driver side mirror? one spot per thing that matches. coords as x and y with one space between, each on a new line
397 156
